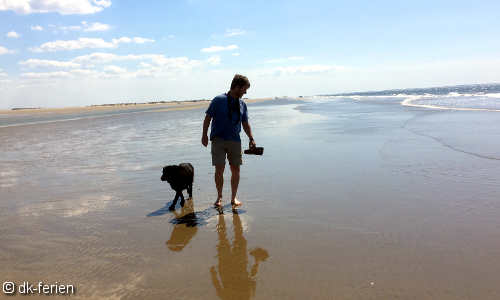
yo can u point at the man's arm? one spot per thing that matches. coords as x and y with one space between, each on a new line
206 124
248 131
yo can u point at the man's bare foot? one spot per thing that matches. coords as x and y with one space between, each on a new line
218 202
235 202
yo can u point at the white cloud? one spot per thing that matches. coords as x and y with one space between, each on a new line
96 27
283 59
98 58
37 63
275 60
73 44
157 60
121 40
163 66
139 40
24 7
13 34
95 58
114 70
64 29
219 48
62 75
266 73
235 54
152 72
32 75
235 32
300 70
86 27
174 62
84 72
158 65
84 43
103 3
231 32
38 28
5 81
4 50
214 60
3 74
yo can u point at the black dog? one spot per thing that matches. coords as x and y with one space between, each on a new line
180 178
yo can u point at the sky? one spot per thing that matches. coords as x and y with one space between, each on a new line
67 53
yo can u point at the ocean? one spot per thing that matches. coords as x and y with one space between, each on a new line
378 195
484 97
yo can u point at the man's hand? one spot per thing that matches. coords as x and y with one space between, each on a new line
204 140
252 144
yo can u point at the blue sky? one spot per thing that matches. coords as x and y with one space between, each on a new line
62 53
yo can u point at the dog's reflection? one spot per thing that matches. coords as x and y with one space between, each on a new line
185 227
235 281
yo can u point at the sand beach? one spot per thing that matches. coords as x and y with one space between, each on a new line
352 199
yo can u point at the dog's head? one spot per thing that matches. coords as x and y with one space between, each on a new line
168 173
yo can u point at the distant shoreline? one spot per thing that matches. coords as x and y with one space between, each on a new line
108 105
155 106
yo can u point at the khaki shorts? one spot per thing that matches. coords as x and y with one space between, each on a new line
221 147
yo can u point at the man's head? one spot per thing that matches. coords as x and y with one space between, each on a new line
239 85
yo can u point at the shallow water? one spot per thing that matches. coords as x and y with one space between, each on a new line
351 200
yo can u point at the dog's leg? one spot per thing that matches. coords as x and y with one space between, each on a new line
190 191
182 198
172 207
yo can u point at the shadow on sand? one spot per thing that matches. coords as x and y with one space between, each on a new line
187 215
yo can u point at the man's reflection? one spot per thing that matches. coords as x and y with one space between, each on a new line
235 282
185 228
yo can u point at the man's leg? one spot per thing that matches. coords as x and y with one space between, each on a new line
219 183
235 181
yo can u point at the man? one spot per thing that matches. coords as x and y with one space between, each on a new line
229 114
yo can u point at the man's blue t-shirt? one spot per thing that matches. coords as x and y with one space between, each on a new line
221 124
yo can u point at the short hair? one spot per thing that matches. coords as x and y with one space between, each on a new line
240 80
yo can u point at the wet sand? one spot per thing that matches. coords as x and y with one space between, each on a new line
351 200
